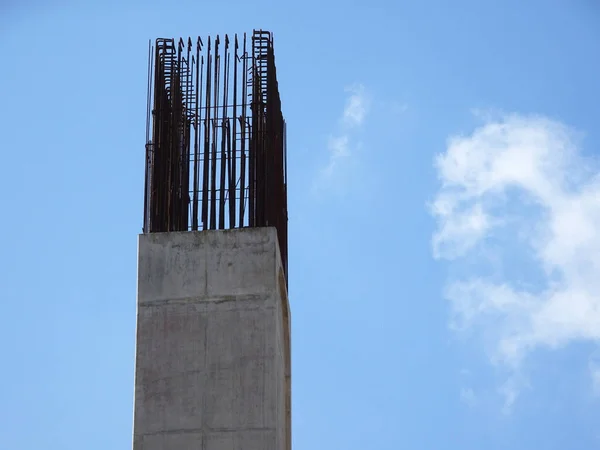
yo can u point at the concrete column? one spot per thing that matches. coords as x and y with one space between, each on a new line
213 342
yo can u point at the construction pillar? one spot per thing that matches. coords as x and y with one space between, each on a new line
213 342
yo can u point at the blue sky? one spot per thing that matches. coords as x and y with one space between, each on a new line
443 192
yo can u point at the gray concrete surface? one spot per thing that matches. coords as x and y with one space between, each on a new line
213 342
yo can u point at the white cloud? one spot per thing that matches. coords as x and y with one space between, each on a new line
356 107
518 189
338 150
510 391
340 145
468 397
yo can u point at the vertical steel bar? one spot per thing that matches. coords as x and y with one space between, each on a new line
148 91
233 182
230 181
147 155
198 83
205 173
188 100
253 147
243 133
201 99
213 170
223 164
157 189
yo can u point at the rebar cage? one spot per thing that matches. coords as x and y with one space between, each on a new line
215 137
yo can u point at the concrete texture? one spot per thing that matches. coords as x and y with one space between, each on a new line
213 342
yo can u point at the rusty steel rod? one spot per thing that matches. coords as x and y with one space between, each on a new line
215 137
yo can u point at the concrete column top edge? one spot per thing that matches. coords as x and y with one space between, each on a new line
211 263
